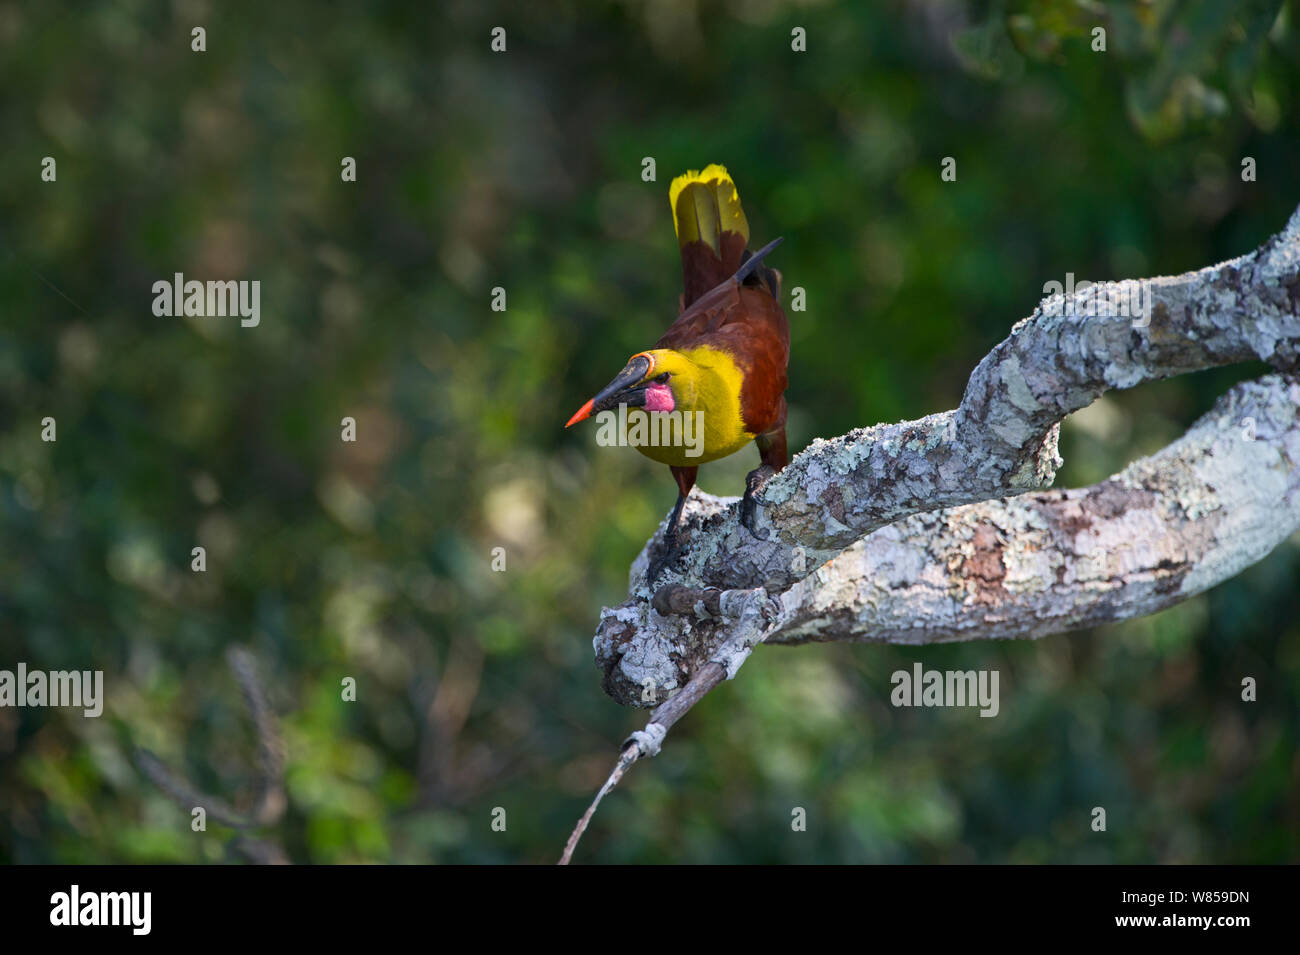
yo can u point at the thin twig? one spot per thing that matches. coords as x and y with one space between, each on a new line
631 753
646 743
187 796
270 802
58 290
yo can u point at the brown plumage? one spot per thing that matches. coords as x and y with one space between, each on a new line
725 356
746 322
743 319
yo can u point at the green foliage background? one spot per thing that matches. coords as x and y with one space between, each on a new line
522 169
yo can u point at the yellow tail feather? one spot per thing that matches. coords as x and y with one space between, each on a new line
706 204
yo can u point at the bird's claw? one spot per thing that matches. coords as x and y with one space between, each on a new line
754 482
667 555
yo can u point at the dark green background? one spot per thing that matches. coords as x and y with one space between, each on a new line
523 170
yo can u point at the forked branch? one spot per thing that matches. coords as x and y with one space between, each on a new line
941 529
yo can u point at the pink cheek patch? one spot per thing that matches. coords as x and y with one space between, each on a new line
658 398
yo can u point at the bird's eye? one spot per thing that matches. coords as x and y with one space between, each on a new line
662 378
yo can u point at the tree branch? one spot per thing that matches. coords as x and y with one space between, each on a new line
940 529
1164 529
1000 443
269 801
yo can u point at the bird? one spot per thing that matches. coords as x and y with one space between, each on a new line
724 360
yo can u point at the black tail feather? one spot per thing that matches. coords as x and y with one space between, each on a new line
751 267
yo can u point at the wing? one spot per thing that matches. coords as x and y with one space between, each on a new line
748 324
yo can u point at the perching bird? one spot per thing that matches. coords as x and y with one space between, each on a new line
726 354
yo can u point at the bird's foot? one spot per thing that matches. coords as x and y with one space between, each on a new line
754 482
668 555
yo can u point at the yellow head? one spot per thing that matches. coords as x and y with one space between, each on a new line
702 382
661 379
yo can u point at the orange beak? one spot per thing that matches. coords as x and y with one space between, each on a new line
622 390
582 414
